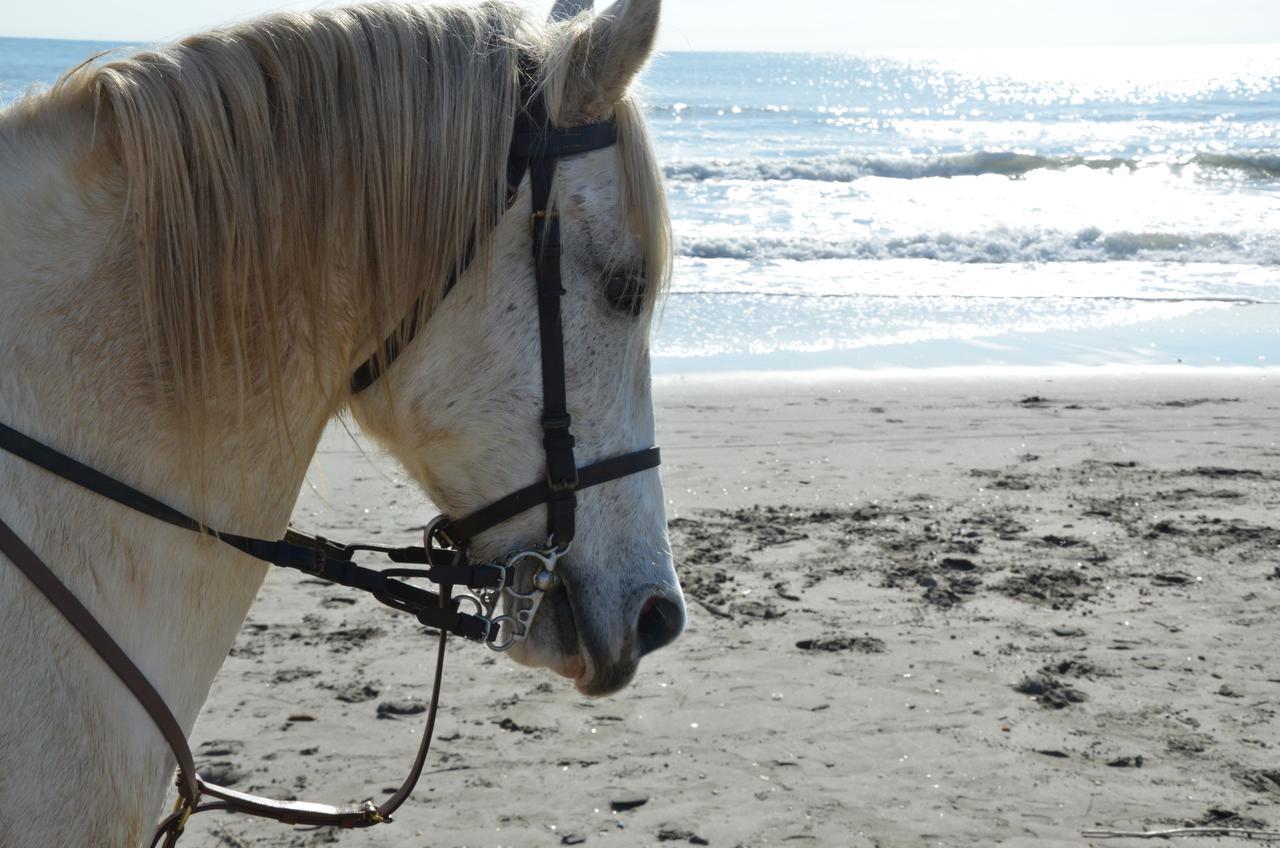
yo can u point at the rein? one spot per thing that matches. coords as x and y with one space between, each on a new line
536 145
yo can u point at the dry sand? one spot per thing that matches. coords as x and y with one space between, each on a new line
923 610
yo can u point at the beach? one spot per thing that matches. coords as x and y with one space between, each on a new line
956 608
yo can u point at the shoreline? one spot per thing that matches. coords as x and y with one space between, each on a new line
667 380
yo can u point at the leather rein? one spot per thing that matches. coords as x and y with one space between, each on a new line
536 145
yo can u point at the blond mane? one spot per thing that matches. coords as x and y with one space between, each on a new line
302 166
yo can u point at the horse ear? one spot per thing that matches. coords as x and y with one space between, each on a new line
607 56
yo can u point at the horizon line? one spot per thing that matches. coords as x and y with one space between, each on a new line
850 52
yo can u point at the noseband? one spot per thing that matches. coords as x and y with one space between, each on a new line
507 592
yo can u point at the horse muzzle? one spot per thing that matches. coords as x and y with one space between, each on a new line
600 646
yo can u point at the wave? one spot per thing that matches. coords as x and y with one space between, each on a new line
1260 165
1002 246
1003 163
992 298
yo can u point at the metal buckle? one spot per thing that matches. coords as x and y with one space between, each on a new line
561 486
480 612
435 531
496 624
185 808
542 215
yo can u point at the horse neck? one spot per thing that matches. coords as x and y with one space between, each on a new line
76 375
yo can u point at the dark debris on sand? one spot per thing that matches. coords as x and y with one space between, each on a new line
1266 781
1050 691
1222 817
951 552
402 707
1127 532
1049 687
831 644
1060 588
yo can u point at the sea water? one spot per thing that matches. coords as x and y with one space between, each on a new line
1030 207
1066 206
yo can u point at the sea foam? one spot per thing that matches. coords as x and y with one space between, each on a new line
849 168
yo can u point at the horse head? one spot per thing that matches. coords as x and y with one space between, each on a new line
462 405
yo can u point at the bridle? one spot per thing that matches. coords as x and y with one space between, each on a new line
536 146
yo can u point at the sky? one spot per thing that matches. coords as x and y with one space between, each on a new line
786 25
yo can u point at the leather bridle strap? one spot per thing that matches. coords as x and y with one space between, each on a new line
465 529
311 555
536 146
330 560
191 786
557 438
79 617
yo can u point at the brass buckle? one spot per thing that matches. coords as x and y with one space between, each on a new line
435 532
181 804
542 215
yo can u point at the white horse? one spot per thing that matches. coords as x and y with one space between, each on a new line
198 244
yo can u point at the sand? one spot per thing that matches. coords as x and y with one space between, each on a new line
929 609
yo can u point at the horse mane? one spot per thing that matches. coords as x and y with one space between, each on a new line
263 160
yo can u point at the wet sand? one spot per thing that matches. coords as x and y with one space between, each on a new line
923 610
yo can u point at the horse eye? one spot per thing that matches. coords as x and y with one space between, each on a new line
624 289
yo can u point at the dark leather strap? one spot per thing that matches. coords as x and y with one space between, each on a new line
529 141
557 436
536 146
95 481
371 369
112 654
190 785
294 551
463 530
314 555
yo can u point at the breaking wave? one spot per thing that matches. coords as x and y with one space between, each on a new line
1259 166
1001 246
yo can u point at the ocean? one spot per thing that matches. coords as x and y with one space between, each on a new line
981 208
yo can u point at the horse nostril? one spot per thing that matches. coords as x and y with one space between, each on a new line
661 621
